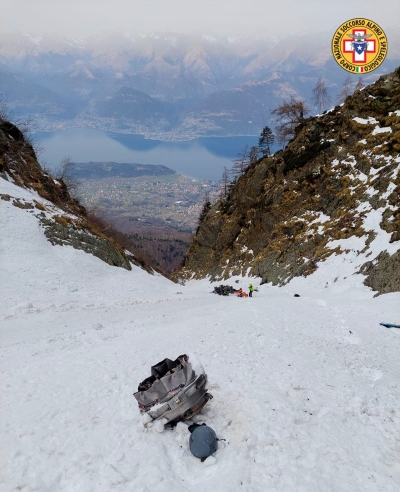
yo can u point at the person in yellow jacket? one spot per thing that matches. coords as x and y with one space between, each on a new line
251 289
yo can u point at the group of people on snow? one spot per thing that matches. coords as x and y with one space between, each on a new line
225 290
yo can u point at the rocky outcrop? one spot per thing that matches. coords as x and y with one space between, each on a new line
63 218
334 190
65 232
18 162
383 275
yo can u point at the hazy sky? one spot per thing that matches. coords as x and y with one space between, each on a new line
79 17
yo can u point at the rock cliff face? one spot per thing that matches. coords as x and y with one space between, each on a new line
64 220
333 192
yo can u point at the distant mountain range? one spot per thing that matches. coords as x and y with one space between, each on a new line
169 85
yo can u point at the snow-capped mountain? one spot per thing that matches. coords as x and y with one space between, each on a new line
188 71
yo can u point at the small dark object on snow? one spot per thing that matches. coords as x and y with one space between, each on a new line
223 290
350 332
203 441
389 325
237 281
296 295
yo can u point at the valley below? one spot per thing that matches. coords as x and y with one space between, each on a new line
155 207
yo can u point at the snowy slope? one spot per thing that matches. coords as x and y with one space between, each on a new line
303 404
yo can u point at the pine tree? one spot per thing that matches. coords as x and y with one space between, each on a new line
266 140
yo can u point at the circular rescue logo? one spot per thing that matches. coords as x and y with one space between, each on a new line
359 46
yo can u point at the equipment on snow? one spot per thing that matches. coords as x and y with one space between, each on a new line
389 325
296 295
223 290
240 293
173 391
203 441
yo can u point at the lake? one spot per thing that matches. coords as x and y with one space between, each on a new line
202 158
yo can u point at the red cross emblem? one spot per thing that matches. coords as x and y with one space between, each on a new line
359 47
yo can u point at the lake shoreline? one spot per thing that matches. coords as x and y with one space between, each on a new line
202 158
144 136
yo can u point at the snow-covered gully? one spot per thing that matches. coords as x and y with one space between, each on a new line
306 389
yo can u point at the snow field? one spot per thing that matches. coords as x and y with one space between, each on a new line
303 404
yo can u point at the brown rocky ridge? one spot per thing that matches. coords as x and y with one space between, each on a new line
332 192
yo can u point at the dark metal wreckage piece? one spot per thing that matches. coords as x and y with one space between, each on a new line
173 391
